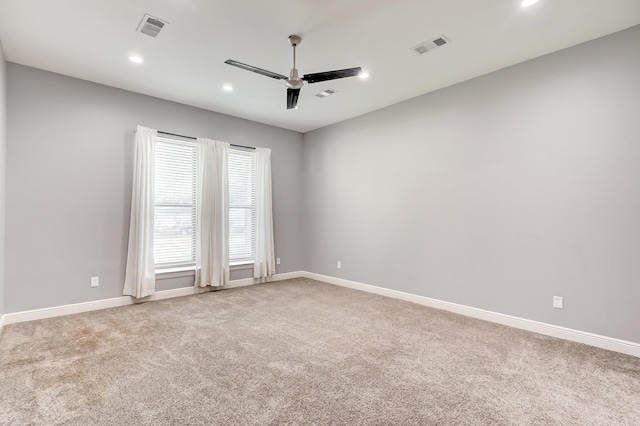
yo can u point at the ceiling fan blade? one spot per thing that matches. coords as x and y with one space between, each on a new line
256 69
331 75
292 98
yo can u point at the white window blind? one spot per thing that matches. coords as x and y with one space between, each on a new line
242 205
175 204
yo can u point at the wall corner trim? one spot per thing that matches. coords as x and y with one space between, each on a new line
603 342
76 308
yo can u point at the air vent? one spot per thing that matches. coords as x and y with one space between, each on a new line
430 45
151 25
439 41
421 49
326 93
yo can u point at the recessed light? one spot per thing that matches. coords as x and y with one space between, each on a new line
135 59
363 75
527 3
227 87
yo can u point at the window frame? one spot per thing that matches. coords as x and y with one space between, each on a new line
188 269
183 142
247 260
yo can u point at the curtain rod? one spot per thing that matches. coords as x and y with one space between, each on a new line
191 137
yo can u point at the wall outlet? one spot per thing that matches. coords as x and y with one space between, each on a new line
95 281
339 265
277 261
558 302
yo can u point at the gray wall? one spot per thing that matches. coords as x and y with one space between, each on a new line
496 193
69 170
3 145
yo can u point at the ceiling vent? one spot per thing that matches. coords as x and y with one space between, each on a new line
430 45
151 25
326 93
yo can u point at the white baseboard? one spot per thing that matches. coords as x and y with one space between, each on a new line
604 342
95 305
276 277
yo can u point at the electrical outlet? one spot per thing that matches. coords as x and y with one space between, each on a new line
277 261
558 302
95 281
339 265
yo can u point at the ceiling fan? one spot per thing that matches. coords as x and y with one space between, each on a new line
294 83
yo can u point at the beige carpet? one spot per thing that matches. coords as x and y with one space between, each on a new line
303 352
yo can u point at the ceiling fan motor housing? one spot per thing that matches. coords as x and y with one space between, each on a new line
294 81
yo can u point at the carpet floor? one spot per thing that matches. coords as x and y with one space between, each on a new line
301 352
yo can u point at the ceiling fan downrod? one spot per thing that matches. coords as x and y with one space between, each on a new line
294 81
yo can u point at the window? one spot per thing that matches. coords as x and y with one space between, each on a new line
176 205
242 206
174 233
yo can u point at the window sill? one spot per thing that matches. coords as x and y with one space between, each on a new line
240 266
166 274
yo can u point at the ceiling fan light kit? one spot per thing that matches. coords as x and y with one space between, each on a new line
294 83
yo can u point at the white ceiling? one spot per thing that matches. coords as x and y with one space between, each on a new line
92 39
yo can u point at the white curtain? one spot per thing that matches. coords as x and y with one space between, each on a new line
264 262
212 241
140 279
